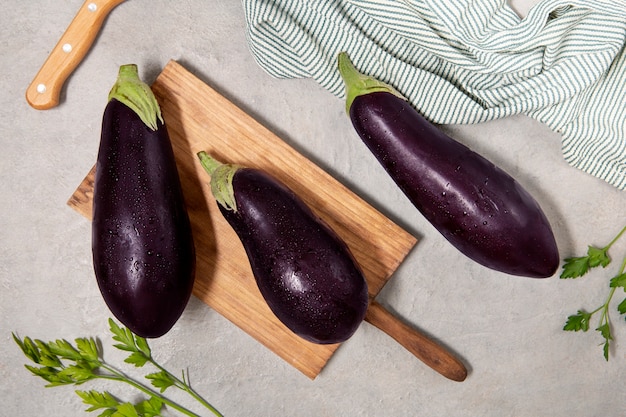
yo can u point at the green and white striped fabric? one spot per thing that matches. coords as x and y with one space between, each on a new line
469 61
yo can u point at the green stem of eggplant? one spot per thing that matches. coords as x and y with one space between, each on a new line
221 180
357 83
137 95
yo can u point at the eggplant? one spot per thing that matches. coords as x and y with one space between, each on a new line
479 208
304 271
142 244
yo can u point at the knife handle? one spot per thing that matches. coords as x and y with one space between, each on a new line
425 349
44 91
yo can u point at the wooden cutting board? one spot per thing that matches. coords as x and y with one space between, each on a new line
200 119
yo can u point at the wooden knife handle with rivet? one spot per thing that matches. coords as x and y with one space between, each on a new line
44 91
424 348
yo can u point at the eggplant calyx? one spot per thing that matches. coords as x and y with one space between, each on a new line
357 83
221 180
137 95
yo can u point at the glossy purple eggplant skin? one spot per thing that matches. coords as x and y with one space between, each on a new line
143 250
305 272
475 205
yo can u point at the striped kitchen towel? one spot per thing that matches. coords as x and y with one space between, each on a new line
469 61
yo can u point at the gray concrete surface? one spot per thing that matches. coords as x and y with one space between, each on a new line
506 329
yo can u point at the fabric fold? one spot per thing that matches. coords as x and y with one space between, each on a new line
468 61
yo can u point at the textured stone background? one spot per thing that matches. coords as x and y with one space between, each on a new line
506 329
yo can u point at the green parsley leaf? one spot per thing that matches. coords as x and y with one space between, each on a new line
124 336
598 257
64 349
150 408
46 356
577 322
618 281
61 363
605 331
575 267
48 374
50 361
77 374
142 345
138 359
54 376
161 380
126 410
98 400
88 349
112 407
28 347
578 266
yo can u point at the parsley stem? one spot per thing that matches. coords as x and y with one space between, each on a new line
186 387
615 239
623 266
612 291
575 267
117 375
604 318
603 306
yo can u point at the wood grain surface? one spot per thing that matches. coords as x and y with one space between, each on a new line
198 118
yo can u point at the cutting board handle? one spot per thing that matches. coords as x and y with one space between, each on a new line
44 91
424 348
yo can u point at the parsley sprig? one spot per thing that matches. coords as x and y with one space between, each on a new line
63 363
577 267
